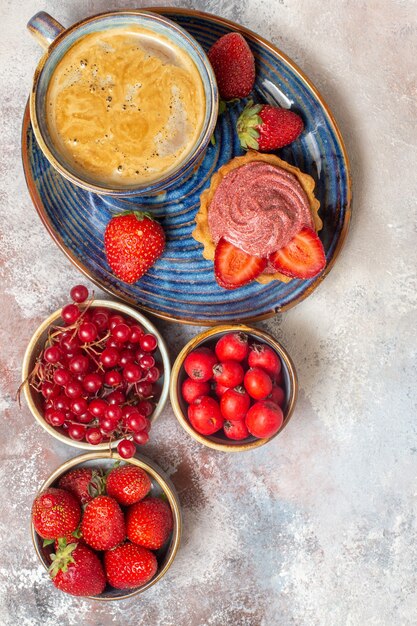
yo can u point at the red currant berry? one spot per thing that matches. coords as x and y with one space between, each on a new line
121 332
115 320
146 361
79 293
113 412
85 418
57 418
107 425
92 383
70 313
62 403
127 356
136 422
79 406
52 354
132 373
126 448
97 407
62 376
148 342
79 364
116 397
136 333
145 407
93 436
153 375
76 431
50 390
69 343
100 320
141 438
74 389
109 357
144 389
87 332
112 378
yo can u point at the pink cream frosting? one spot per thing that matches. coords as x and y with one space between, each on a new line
259 208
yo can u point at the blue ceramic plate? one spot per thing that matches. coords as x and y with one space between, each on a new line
181 285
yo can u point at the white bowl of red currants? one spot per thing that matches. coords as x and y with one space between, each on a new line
96 374
106 528
233 388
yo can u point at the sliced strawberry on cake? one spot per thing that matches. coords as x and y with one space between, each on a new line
233 267
303 257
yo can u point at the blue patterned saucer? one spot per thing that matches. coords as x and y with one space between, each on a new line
181 285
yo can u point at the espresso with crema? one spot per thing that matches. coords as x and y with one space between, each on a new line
125 106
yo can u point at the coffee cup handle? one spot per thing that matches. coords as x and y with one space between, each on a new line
44 28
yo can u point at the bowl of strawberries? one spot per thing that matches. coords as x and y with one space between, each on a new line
105 527
233 388
96 374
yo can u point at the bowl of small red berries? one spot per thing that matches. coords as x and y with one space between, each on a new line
96 374
233 388
104 527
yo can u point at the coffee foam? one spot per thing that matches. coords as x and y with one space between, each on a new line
125 106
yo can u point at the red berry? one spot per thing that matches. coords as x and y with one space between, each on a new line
141 437
228 373
277 395
50 390
153 374
101 320
62 403
193 389
148 342
219 389
232 347
136 333
85 418
121 332
149 523
234 404
129 566
97 407
79 293
69 342
77 570
205 416
52 354
261 355
236 429
199 364
62 376
87 332
115 320
79 406
128 484
136 422
74 389
110 357
70 313
146 361
113 412
79 364
126 448
103 525
132 373
234 66
92 382
56 418
116 397
55 513
126 356
113 378
264 419
146 407
144 389
257 383
76 431
93 436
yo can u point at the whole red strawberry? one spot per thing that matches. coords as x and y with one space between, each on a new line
103 525
77 570
129 566
233 65
83 483
55 513
265 128
128 484
149 523
133 241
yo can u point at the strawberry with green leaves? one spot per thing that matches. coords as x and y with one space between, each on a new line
55 513
133 241
266 128
84 483
129 566
77 570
